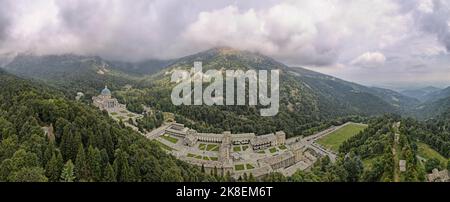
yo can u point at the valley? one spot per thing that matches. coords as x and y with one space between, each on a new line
314 137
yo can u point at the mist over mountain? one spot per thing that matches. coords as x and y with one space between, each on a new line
305 96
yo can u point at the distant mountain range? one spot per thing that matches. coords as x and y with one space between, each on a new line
305 94
422 94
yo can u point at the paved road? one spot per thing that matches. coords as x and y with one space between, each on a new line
310 141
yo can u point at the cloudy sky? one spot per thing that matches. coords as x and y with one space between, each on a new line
374 42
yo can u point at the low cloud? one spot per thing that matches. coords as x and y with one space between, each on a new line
369 59
297 32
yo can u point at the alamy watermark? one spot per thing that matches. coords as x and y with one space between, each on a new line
213 94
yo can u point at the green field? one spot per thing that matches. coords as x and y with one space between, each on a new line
239 167
282 147
208 147
202 146
336 138
427 152
244 148
273 150
249 166
212 147
237 148
170 138
162 145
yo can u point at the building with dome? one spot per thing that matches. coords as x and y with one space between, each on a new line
104 101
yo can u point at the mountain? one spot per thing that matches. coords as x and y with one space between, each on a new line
431 109
437 95
309 101
421 94
69 73
343 89
140 68
435 103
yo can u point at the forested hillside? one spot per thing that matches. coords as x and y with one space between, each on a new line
371 156
84 145
309 101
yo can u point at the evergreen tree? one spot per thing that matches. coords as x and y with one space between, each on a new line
54 167
33 174
81 167
122 167
49 152
109 175
94 162
67 174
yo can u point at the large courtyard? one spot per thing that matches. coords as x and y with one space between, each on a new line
299 153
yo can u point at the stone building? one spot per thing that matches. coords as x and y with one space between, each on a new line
283 160
263 141
439 176
191 137
104 101
402 165
281 137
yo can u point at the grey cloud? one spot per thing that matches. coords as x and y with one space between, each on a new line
4 19
437 21
300 32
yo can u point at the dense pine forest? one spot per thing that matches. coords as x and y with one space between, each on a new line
86 145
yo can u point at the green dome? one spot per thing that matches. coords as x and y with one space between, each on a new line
106 91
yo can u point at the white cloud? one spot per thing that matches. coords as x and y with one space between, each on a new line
369 59
318 34
302 32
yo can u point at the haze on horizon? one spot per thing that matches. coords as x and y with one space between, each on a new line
383 43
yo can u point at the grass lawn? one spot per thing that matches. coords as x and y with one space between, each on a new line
130 115
237 148
336 138
205 158
123 112
162 145
202 146
170 138
427 152
121 118
249 166
191 155
239 167
212 147
244 148
282 147
214 158
198 157
114 113
216 149
273 150
261 152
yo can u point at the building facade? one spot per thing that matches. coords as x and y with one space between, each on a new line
104 101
